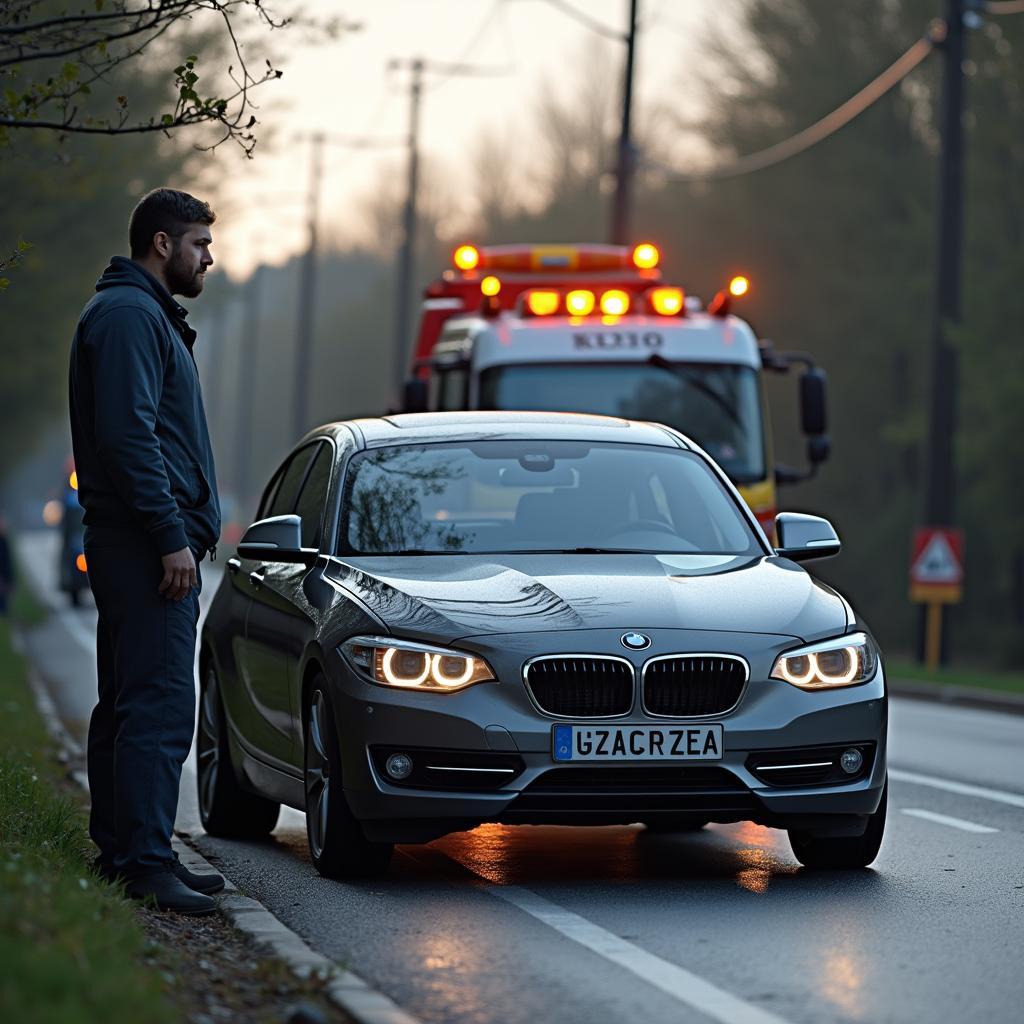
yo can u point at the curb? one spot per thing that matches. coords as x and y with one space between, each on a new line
963 696
363 1003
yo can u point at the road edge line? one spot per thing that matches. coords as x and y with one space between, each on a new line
949 695
349 992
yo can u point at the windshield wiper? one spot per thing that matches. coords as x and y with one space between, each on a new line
583 551
655 359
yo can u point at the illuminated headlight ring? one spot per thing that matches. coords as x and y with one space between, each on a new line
407 665
842 661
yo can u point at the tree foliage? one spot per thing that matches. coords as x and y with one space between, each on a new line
53 56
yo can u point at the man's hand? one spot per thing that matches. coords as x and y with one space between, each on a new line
179 574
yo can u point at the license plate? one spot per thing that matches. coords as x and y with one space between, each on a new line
637 743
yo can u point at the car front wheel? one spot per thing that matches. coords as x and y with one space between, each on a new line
225 809
337 845
842 851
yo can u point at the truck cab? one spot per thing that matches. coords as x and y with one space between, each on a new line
593 329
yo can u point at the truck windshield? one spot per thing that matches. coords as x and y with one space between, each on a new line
570 497
716 404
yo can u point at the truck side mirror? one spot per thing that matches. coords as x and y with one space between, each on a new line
813 403
414 396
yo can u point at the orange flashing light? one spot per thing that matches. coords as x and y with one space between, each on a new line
73 480
80 563
541 302
490 286
646 256
615 302
739 285
466 257
667 301
580 302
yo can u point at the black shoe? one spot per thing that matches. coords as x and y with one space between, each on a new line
105 870
168 892
206 884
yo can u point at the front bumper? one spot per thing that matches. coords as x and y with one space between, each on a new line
499 722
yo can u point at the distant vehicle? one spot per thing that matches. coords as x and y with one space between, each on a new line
592 328
447 619
72 572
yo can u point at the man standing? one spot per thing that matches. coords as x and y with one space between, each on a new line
147 484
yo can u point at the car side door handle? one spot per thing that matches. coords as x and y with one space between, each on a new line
256 579
232 565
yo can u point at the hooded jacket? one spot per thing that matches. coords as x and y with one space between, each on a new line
138 427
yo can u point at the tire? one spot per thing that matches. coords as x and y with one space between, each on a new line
337 845
842 851
225 808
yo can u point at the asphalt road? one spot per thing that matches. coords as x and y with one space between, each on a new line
599 925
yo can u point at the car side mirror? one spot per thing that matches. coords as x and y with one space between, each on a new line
802 537
278 539
414 395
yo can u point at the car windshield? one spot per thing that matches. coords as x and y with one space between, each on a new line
538 496
718 405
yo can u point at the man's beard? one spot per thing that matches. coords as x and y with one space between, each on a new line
181 279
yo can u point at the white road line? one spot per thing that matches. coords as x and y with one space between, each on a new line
79 632
963 788
945 819
675 981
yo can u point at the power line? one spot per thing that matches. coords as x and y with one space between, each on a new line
585 19
467 50
824 127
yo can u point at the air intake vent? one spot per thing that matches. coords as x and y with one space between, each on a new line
693 685
581 687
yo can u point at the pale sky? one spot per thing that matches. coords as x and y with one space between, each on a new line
344 87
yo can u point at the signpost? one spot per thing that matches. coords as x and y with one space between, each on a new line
936 578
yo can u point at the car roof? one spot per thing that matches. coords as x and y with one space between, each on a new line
424 428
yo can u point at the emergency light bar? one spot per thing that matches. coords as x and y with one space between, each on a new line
523 259
722 302
581 302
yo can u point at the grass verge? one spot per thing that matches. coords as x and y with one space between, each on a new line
980 679
71 949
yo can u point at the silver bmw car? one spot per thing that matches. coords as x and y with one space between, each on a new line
446 619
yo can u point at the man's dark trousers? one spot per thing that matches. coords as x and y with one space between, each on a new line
141 729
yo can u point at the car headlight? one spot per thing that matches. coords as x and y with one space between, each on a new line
406 665
844 661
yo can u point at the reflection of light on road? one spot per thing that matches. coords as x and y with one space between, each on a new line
449 963
757 856
843 979
509 855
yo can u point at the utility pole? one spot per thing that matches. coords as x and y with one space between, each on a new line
407 252
248 350
940 476
622 203
307 296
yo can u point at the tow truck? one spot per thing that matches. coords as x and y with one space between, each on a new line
593 328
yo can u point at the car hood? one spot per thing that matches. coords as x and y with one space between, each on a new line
445 597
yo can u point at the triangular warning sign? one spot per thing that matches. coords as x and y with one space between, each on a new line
937 563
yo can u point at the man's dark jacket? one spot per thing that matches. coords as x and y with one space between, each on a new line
141 443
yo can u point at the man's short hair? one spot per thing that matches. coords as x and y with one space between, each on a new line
167 210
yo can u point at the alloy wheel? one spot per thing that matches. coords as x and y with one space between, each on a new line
318 783
208 745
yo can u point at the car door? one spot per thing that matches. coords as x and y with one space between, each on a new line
279 624
266 725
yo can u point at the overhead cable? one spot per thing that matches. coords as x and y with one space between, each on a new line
468 49
826 126
585 19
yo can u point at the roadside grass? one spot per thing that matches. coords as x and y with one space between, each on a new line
71 949
983 679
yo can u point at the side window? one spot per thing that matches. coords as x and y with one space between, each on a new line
268 495
448 389
310 505
293 474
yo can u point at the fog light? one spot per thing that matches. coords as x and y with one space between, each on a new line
851 761
399 766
